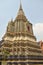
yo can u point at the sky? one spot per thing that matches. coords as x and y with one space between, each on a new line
33 10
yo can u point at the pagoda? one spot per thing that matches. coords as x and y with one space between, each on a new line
19 45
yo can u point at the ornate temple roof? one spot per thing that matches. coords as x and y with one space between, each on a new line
20 26
19 44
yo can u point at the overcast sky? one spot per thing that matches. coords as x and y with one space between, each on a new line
33 10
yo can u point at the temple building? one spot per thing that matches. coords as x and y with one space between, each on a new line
19 45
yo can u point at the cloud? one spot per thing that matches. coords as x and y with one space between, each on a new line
38 30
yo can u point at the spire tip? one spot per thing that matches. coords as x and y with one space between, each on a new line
20 5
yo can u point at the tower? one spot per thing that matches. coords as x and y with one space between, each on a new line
19 46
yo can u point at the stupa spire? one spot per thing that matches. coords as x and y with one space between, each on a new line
20 5
20 14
